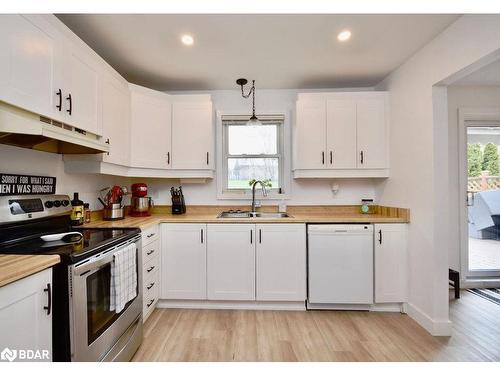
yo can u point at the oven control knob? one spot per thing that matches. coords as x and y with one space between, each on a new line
57 203
49 204
65 203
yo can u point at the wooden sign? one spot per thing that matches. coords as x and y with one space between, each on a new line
18 184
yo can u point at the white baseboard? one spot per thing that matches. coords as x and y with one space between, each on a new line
434 327
389 307
230 305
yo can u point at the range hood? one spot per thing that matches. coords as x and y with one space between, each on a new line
29 130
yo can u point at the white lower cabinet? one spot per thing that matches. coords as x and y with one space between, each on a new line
231 262
281 262
184 258
26 314
391 263
151 270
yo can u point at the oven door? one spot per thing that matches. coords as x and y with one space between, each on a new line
95 329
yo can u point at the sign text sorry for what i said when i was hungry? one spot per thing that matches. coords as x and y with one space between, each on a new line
16 184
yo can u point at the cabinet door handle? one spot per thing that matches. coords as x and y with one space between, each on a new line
150 269
150 303
168 158
331 157
107 141
322 157
380 236
251 236
49 299
59 94
201 236
207 158
150 235
70 99
150 252
260 235
150 286
362 157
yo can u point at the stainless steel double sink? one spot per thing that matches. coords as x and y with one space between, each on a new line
250 214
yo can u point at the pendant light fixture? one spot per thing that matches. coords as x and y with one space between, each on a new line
242 82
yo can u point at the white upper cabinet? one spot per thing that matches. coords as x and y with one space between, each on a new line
192 132
281 262
183 257
44 69
151 124
391 263
342 134
81 96
231 262
371 133
31 61
310 135
116 119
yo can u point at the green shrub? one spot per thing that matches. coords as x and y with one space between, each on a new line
490 159
474 159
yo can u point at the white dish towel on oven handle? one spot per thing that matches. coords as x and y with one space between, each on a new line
123 286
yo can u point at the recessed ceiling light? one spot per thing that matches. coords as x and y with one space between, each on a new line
344 35
187 40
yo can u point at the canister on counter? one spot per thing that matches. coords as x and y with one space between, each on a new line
367 206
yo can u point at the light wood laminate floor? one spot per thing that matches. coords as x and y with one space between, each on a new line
230 335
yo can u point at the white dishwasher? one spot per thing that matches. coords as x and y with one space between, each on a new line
340 266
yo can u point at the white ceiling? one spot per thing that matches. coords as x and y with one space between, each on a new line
278 51
486 76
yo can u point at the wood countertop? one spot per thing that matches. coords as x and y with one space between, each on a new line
298 214
14 267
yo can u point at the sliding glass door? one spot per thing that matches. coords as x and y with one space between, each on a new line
482 258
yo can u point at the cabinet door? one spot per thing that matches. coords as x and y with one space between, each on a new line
150 129
30 61
341 134
391 264
192 135
371 133
183 258
310 135
24 321
81 89
281 262
116 119
231 262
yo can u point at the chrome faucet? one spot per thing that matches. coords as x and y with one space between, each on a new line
264 192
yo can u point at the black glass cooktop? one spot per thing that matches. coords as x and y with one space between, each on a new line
92 241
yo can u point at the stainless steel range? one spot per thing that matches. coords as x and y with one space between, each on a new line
85 326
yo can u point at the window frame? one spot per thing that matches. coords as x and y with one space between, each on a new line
223 192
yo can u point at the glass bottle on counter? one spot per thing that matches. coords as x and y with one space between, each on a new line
86 208
77 214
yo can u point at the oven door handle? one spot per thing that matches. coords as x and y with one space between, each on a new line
96 263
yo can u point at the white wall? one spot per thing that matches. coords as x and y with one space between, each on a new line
38 163
462 96
419 164
302 191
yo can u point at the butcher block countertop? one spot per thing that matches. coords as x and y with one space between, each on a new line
299 214
15 267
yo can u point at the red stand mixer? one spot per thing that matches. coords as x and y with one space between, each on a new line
140 203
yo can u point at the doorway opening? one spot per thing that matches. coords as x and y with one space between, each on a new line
482 249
